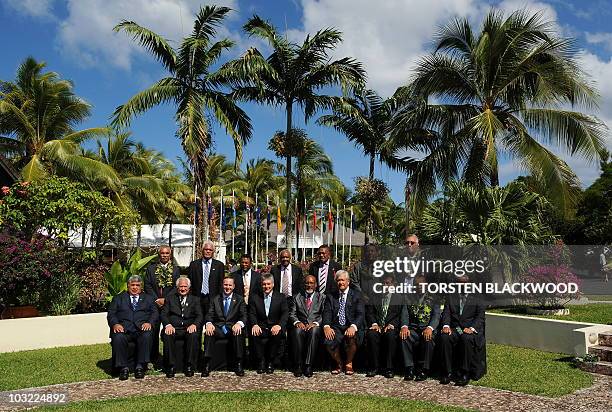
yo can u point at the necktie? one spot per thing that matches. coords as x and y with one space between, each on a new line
205 276
341 314
308 302
267 304
134 302
462 300
247 287
183 304
226 305
385 309
322 278
285 290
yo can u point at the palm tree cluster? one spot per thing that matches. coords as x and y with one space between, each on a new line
511 90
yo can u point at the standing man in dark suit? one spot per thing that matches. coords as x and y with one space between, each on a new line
268 316
247 280
226 319
463 337
131 316
160 279
305 317
383 317
182 319
206 275
420 320
324 270
288 278
343 322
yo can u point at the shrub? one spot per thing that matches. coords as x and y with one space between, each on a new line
92 295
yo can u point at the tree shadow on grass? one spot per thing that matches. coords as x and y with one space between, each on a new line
106 365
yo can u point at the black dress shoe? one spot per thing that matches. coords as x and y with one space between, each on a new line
269 368
139 373
124 374
206 371
261 368
420 376
189 371
446 379
462 381
297 372
308 371
389 374
371 373
409 374
239 369
170 373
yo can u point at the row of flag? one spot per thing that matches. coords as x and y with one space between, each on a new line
319 219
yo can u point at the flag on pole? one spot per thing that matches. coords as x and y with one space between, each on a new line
279 223
314 218
268 218
233 210
258 215
306 216
210 208
222 211
330 218
352 221
196 208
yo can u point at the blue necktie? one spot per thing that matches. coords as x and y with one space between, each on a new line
267 304
205 276
226 305
134 302
341 314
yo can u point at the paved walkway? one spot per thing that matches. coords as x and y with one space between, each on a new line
595 398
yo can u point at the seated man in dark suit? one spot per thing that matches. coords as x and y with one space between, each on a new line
324 270
226 319
268 316
420 319
159 281
383 317
343 321
463 337
131 316
247 280
182 319
305 317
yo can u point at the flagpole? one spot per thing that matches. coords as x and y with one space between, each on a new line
278 226
233 221
336 232
208 214
328 222
256 229
221 219
350 239
322 223
267 227
246 225
343 230
305 233
195 219
314 226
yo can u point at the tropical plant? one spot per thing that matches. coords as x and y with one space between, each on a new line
118 275
195 89
38 113
292 75
513 88
370 194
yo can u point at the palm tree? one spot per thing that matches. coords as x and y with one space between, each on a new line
513 89
364 119
293 74
38 113
195 89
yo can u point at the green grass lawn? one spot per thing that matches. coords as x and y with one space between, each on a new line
591 313
511 368
254 401
606 298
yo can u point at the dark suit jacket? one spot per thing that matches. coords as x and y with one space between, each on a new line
278 315
374 311
330 285
215 280
354 309
473 315
120 311
237 311
152 287
171 312
299 313
254 287
410 319
297 278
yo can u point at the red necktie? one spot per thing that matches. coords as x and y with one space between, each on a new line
308 303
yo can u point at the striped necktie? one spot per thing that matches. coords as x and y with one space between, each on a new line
322 278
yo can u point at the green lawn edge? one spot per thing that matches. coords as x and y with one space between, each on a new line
588 313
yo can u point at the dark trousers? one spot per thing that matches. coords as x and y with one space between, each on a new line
120 342
460 348
375 340
205 303
266 345
191 346
301 339
417 351
155 328
237 343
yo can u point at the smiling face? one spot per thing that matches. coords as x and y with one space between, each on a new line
285 258
309 283
267 285
208 251
135 287
323 254
342 280
412 243
228 286
183 287
164 255
245 264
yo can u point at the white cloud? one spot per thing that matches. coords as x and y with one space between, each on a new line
386 36
600 38
33 8
87 36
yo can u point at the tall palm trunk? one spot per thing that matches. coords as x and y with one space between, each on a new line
289 109
369 207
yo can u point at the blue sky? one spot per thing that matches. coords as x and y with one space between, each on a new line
75 39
